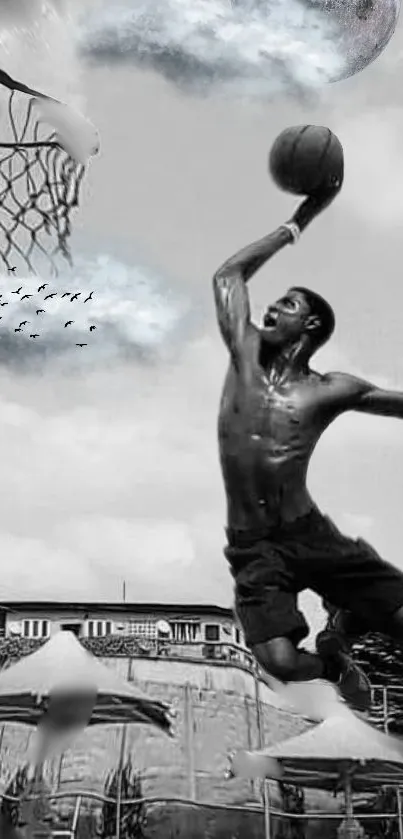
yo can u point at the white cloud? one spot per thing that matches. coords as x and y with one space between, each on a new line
113 475
374 166
132 309
355 524
253 51
121 472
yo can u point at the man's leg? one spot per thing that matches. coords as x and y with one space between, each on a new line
281 659
396 626
370 593
273 628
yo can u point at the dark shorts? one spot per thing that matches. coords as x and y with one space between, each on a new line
271 568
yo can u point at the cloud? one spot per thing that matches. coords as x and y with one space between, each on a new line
133 309
26 12
114 473
38 47
375 167
357 523
249 48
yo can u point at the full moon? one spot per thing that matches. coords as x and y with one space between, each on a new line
362 29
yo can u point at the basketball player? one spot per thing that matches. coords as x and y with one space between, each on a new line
274 408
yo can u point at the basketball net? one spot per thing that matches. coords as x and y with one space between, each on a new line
41 173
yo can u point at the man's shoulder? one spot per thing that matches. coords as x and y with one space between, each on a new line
338 386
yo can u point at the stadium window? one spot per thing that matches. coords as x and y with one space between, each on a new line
99 629
237 636
212 632
184 631
143 629
35 629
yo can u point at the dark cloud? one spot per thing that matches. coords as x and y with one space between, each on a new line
134 311
222 44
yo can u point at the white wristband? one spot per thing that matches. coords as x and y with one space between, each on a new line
293 228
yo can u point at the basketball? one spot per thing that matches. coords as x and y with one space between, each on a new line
305 159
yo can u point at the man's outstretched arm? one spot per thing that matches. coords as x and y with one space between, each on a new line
229 282
349 393
384 403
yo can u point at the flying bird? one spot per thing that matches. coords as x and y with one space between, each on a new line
26 296
24 322
92 328
68 323
12 270
17 291
75 296
81 345
34 336
18 329
66 294
4 304
41 287
49 296
40 311
89 297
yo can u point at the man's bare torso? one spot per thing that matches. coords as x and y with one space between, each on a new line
268 429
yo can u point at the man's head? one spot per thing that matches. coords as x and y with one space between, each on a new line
300 313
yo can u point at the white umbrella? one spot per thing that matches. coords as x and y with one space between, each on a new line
63 669
343 752
62 688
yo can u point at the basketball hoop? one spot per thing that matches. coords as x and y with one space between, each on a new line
40 184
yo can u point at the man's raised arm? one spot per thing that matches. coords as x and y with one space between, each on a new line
230 292
229 282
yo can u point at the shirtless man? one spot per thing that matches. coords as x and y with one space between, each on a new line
274 408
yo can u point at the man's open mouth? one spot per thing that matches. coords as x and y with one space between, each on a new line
270 320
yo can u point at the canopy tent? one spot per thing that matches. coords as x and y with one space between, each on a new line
342 753
62 686
62 665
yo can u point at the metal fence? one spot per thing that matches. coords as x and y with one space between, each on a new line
267 813
80 799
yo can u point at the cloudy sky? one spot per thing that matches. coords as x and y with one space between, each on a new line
108 454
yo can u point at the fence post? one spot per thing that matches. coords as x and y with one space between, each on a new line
385 710
189 740
267 807
258 704
399 812
249 740
120 773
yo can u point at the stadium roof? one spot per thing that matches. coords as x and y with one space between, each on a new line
174 609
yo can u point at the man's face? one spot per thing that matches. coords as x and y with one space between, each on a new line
285 321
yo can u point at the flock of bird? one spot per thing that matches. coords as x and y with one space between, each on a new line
21 297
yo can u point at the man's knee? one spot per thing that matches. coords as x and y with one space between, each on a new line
395 625
278 657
